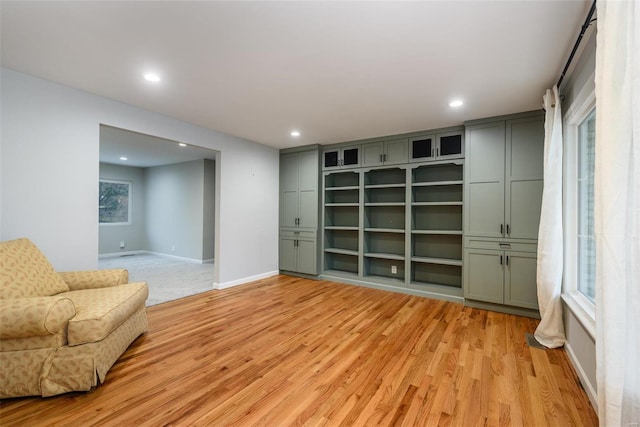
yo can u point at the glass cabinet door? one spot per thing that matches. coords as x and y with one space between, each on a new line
422 148
350 156
331 159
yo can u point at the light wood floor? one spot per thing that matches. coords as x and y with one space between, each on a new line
289 351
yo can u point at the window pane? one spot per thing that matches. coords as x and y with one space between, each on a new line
114 202
586 238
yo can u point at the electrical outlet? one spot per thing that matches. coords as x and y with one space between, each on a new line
394 269
121 244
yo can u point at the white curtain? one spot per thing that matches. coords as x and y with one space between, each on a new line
550 331
617 212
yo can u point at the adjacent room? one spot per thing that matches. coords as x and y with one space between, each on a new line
319 213
157 212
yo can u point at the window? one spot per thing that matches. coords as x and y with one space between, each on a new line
579 160
586 238
114 205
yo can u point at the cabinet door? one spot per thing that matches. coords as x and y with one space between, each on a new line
331 159
351 156
308 189
450 145
372 154
306 256
484 275
288 190
523 176
396 151
287 255
484 180
423 148
520 279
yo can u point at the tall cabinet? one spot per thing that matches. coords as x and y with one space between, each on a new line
503 193
299 170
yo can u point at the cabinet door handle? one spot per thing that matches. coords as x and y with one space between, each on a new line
433 151
381 159
384 157
508 229
437 152
507 259
500 259
501 228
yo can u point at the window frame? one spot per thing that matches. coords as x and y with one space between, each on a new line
130 189
582 307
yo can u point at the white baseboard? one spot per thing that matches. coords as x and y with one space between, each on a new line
119 254
588 387
126 253
220 286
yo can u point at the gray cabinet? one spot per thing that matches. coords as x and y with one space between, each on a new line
298 250
503 195
341 157
503 178
390 152
299 172
299 190
438 146
501 276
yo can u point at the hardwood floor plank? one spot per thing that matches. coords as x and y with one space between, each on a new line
291 351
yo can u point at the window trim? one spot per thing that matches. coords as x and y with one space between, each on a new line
116 181
582 308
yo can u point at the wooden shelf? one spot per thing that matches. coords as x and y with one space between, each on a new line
342 204
453 232
341 251
442 261
385 186
434 183
384 230
384 256
350 187
385 204
341 227
436 204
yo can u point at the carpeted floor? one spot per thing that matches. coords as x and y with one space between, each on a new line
168 278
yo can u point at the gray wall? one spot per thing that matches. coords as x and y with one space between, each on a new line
580 344
175 209
134 234
208 226
50 137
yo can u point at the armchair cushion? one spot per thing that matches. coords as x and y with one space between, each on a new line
100 311
25 272
77 280
35 316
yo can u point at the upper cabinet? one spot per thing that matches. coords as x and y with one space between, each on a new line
342 157
503 178
299 190
392 152
438 146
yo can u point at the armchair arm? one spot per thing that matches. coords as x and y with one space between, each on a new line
34 316
93 279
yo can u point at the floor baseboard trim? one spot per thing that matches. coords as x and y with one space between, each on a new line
582 376
226 285
119 254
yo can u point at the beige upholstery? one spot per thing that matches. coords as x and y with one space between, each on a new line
62 332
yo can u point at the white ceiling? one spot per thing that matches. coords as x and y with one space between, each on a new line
336 71
145 150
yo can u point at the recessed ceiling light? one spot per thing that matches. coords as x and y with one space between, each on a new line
456 103
182 144
152 77
123 158
295 133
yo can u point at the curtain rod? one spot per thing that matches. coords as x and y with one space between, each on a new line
587 23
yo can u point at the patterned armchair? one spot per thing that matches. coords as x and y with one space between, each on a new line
62 332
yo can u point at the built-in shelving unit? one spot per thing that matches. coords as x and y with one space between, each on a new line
396 226
341 221
436 225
